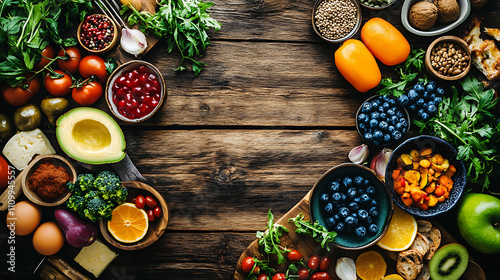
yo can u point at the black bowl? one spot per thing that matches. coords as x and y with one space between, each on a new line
437 145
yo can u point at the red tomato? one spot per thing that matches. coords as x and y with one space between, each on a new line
320 276
93 65
140 202
72 61
151 215
48 52
88 94
5 173
157 212
17 96
294 255
58 87
279 276
313 262
248 264
262 277
325 263
150 202
303 273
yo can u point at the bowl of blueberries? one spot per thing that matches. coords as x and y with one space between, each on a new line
353 201
422 100
381 121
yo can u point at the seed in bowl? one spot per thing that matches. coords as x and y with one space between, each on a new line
377 3
97 32
334 19
449 59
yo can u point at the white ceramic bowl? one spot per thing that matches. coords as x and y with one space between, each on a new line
438 28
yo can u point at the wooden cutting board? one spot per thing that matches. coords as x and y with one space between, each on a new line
308 247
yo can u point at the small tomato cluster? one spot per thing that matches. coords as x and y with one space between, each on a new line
149 204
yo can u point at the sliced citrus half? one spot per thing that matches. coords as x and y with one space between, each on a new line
128 223
401 232
370 266
393 277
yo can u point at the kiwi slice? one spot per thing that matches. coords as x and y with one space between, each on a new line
449 262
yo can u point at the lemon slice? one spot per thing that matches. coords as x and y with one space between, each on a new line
401 232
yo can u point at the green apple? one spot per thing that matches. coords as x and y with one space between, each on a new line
479 222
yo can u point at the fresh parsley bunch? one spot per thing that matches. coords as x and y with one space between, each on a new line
467 122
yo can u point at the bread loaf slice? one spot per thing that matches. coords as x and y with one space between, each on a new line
409 264
420 244
424 274
434 238
424 226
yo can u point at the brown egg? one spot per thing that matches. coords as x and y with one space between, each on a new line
48 239
24 217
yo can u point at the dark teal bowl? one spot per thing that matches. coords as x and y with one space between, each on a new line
350 241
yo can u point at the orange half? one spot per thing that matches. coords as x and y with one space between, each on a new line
128 223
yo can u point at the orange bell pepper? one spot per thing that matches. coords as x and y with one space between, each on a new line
357 65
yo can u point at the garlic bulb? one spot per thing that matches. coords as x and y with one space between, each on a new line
359 154
380 160
133 41
346 269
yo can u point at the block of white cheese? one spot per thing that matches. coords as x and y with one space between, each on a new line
95 257
21 148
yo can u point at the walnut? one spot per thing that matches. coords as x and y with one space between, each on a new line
423 15
448 10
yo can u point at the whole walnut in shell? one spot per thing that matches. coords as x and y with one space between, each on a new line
448 10
423 15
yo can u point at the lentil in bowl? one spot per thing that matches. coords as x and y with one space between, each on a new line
336 20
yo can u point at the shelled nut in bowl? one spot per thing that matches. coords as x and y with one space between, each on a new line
43 180
353 201
376 4
135 91
97 33
326 11
448 58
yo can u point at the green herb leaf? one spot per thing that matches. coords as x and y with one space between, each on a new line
314 230
269 240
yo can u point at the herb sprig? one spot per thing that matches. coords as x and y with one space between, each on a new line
314 230
467 123
269 240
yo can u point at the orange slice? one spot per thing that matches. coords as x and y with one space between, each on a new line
401 232
370 266
393 277
128 223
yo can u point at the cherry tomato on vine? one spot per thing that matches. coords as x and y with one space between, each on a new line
294 255
325 263
93 65
313 262
262 276
87 94
48 52
151 215
60 86
320 276
4 173
140 202
70 64
150 202
279 276
248 264
303 273
17 96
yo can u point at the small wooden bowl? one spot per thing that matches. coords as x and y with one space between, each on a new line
104 50
156 228
451 39
33 196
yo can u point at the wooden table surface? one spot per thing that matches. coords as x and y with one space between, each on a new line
267 116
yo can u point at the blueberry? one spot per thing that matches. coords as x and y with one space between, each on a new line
383 125
420 112
384 98
362 118
432 110
360 231
403 122
354 207
330 222
387 138
391 112
399 114
392 101
370 190
419 88
396 135
425 106
391 129
335 186
426 95
373 203
368 220
425 116
344 197
358 180
431 103
366 107
420 102
431 86
373 229
350 221
366 182
373 123
412 96
344 212
362 127
438 100
374 115
373 212
324 198
352 192
347 182
403 100
386 106
378 135
354 215
368 136
362 214
336 197
357 200
381 109
413 108
432 96
364 198
336 217
399 126
440 92
328 208
340 227
375 104
383 116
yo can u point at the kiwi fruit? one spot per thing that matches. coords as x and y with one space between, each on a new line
449 262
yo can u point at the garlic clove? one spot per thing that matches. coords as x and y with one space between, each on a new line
359 154
346 269
380 160
133 41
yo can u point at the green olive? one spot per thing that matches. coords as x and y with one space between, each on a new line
54 107
27 117
6 127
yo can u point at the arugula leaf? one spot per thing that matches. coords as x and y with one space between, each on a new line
269 240
314 230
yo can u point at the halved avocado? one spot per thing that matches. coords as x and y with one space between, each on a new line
91 136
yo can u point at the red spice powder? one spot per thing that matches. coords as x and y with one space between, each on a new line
49 180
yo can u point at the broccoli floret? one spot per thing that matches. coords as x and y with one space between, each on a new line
84 182
76 203
90 195
110 187
98 208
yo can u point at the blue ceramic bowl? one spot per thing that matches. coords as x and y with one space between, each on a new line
437 145
350 241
